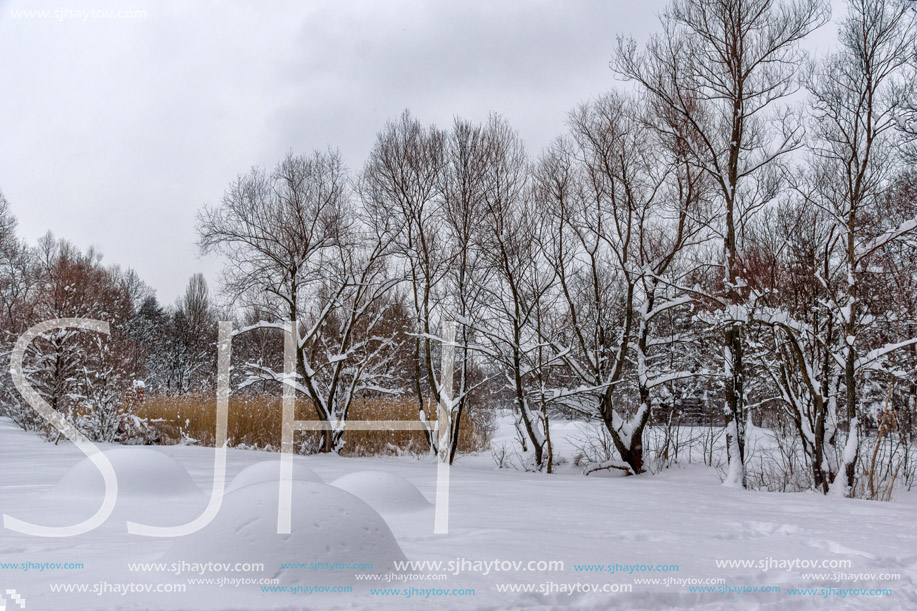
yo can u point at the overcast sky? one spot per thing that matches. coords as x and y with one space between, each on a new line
115 131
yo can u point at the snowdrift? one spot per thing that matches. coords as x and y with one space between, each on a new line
142 473
269 471
328 525
383 491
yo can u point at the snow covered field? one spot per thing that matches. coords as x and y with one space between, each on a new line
557 536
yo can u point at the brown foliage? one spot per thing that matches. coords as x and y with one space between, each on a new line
255 422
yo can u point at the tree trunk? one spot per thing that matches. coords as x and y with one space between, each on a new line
735 410
630 449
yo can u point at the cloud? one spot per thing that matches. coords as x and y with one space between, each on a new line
116 130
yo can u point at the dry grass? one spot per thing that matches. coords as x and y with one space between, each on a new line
255 421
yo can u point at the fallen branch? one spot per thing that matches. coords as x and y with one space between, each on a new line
609 464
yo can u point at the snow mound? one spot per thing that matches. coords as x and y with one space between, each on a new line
383 491
328 525
141 473
269 471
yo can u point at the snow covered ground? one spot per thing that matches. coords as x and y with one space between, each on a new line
639 542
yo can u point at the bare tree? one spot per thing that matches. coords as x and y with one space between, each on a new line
464 206
298 250
401 189
19 286
795 247
516 286
721 66
857 93
83 375
907 115
623 202
188 340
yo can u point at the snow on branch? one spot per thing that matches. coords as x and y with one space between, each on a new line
874 355
883 239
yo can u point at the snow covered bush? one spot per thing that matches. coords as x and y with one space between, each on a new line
90 377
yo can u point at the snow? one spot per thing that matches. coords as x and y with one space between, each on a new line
883 239
682 516
141 472
269 471
383 491
328 525
735 473
878 353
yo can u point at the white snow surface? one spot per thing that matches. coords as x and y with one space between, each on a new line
269 471
329 525
383 491
141 473
683 516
